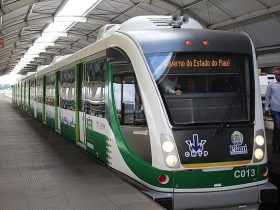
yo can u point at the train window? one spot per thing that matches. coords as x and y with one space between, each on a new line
203 87
32 90
130 109
116 55
26 94
67 96
94 102
128 102
50 90
39 90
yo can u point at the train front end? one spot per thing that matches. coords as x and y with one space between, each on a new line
208 85
204 118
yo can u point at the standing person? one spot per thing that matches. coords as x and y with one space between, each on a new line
272 101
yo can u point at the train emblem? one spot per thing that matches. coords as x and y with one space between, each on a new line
237 148
196 148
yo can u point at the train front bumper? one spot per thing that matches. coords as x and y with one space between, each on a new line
243 197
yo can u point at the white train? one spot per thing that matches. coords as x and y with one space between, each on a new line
174 107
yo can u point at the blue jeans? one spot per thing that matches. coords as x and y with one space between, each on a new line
276 131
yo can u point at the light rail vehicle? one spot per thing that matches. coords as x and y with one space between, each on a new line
174 107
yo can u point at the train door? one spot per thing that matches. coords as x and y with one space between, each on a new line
94 107
32 97
57 102
68 103
21 95
35 98
24 96
29 97
18 94
39 99
81 78
50 100
44 100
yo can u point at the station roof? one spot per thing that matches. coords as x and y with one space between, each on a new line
22 22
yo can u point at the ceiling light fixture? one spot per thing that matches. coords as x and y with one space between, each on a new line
73 11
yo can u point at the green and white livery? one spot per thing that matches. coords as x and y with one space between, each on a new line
172 106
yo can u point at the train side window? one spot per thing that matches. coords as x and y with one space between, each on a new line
67 98
50 90
32 90
130 109
95 88
39 90
128 102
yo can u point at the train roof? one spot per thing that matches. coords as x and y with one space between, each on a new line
162 28
134 24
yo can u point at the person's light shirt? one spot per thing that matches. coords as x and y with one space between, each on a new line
169 85
272 97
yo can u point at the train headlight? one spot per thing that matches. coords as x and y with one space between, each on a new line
167 146
258 154
259 140
169 151
171 160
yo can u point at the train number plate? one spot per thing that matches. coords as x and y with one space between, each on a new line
244 173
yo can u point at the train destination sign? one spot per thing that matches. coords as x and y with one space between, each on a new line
199 63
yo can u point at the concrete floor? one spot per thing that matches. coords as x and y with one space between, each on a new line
39 169
273 158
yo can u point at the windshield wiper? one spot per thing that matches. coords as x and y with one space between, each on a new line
225 122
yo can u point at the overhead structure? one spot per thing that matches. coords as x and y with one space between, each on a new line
23 21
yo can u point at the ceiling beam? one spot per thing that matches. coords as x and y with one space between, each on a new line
245 17
19 4
192 4
91 20
36 21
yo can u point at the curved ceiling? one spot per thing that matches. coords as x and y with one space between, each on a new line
22 21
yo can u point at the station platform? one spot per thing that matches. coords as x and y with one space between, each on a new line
39 169
273 158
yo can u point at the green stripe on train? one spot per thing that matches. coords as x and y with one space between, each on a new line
32 111
181 179
40 116
97 144
50 122
68 132
209 179
142 169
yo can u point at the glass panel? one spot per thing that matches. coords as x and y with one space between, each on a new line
40 90
95 88
32 90
68 89
26 93
202 88
128 101
50 90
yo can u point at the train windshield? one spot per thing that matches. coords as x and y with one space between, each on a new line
203 88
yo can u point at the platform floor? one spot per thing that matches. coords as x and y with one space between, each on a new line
273 158
39 169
